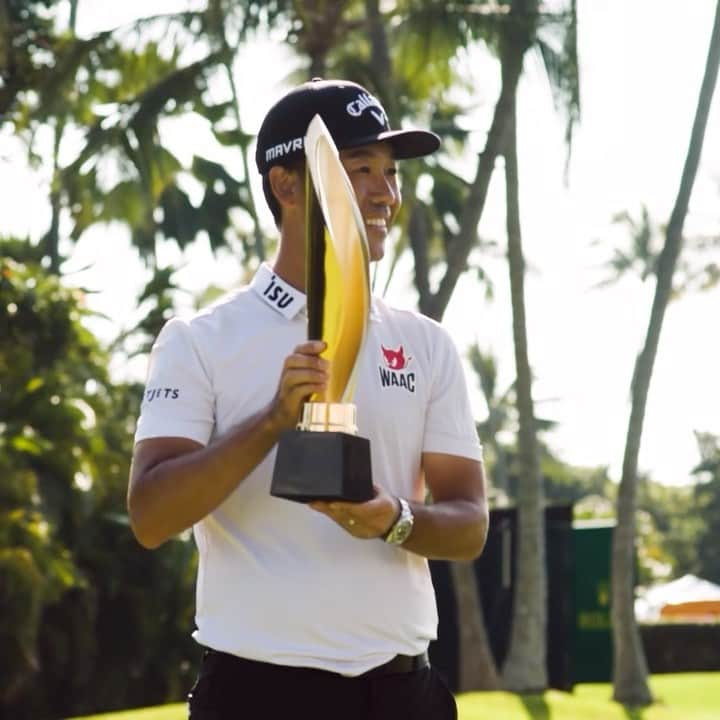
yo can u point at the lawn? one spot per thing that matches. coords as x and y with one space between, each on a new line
678 697
693 696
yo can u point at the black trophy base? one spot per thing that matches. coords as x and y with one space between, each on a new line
322 466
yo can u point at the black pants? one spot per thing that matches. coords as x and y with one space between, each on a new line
230 688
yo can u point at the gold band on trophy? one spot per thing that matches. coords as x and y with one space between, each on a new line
329 417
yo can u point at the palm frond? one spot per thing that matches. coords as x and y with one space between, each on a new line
556 42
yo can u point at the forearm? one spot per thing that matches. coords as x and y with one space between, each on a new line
174 494
449 530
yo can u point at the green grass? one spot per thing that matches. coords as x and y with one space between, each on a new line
677 697
693 696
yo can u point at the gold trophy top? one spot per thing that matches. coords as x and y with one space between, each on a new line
337 265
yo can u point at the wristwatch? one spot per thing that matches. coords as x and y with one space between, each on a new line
402 527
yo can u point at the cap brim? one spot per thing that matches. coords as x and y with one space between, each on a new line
406 143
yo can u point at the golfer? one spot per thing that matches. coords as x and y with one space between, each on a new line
320 610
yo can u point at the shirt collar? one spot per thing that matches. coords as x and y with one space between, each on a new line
277 293
287 300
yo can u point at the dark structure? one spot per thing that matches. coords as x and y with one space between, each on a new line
675 647
592 634
579 638
495 571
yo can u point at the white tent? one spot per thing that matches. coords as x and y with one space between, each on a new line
686 597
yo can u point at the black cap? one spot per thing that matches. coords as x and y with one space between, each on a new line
352 115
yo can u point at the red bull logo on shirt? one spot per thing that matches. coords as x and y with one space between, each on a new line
393 373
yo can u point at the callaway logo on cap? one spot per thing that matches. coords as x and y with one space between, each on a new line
352 115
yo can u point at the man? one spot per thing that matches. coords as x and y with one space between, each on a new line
326 610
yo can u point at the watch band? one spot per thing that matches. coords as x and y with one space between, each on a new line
402 527
394 522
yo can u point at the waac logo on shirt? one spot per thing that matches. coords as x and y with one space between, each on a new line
394 370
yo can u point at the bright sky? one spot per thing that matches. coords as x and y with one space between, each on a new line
641 66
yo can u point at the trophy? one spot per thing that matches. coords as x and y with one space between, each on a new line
324 458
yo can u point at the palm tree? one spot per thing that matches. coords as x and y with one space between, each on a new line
512 32
630 668
428 37
525 666
121 124
477 668
512 29
641 257
500 409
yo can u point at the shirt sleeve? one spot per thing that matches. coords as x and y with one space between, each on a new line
179 399
449 425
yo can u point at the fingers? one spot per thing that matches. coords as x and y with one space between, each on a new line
304 372
307 356
370 519
351 523
310 347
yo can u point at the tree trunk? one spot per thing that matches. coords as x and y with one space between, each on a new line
629 668
419 237
380 61
500 470
51 239
244 147
525 668
475 202
477 669
322 29
73 12
5 41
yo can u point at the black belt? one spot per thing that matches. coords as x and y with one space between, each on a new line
400 664
395 666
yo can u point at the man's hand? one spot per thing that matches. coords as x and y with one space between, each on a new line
371 519
304 373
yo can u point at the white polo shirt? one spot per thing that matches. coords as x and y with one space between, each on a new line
277 581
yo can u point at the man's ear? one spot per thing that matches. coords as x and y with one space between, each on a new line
287 186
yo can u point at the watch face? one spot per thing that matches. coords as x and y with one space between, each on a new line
402 531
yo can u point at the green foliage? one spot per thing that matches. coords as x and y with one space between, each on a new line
668 527
25 32
706 505
21 592
429 34
566 483
707 500
698 267
147 195
115 90
642 255
498 433
44 363
72 577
